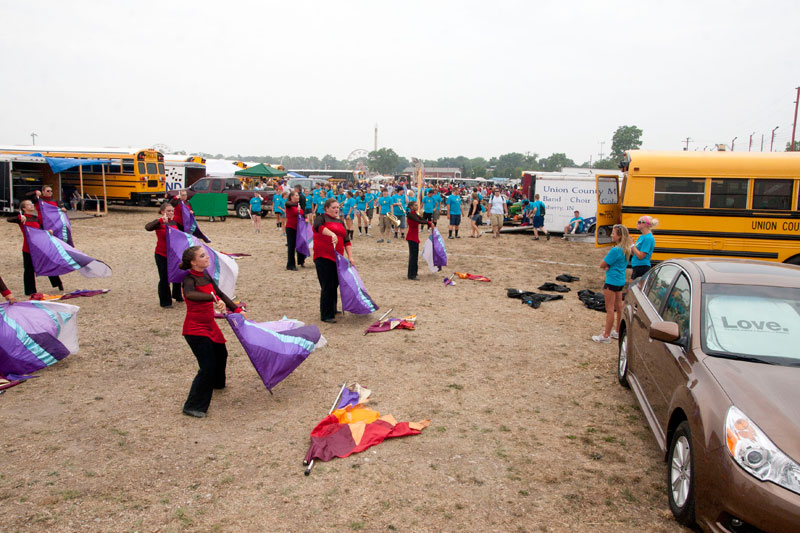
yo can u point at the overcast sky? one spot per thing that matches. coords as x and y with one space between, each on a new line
439 78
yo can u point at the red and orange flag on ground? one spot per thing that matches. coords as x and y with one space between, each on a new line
355 428
474 277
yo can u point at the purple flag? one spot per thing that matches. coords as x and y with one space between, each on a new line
34 335
56 220
434 251
222 269
53 257
305 236
354 296
190 224
275 348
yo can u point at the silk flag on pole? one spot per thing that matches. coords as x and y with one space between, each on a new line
56 220
54 257
34 335
355 428
277 348
434 251
354 296
304 242
222 269
190 224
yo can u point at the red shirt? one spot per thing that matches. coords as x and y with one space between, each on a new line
291 216
323 245
200 315
161 237
31 222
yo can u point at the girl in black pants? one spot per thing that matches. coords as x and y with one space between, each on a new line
414 220
28 218
159 225
292 211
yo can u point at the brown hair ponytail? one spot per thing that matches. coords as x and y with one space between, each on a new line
188 257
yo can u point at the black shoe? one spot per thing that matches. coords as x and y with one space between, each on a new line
302 265
329 320
291 268
179 300
548 236
194 413
166 306
414 279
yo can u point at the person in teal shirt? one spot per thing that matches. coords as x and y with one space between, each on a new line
361 212
255 212
437 208
399 210
372 199
454 212
644 247
614 263
575 225
279 206
385 203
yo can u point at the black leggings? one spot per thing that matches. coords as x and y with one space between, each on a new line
328 284
29 276
212 358
164 296
413 255
291 240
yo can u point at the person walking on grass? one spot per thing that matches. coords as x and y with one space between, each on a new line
614 264
255 212
498 210
454 212
538 218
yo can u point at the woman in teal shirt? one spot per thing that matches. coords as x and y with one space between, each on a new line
643 249
614 263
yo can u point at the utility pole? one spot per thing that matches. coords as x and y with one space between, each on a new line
762 142
749 146
687 143
794 124
33 138
733 141
773 138
376 136
601 143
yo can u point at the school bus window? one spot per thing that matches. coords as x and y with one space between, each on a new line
161 168
152 168
141 168
679 192
772 195
114 168
97 169
729 193
607 191
127 167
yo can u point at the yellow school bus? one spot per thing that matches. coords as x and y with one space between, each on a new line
718 204
132 176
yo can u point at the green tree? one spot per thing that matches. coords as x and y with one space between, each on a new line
625 138
384 160
555 162
789 146
607 164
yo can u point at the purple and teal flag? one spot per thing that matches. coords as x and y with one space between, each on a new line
190 224
277 348
222 269
304 242
34 335
354 296
434 251
54 257
55 220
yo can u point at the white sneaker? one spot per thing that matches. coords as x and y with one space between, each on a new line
601 338
614 334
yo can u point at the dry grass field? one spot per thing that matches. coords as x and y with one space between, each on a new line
529 429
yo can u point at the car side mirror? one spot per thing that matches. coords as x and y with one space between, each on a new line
668 332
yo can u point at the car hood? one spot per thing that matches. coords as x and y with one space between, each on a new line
768 394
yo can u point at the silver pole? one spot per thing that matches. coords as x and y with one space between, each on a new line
311 464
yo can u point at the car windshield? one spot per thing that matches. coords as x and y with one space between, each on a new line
752 322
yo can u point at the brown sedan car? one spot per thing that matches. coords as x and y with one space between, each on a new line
711 349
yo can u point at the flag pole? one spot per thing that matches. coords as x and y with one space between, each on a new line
379 320
336 401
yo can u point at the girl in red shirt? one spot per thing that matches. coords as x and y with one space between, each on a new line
28 217
292 210
159 225
330 236
201 332
414 220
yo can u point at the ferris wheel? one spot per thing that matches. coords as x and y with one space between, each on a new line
358 153
161 147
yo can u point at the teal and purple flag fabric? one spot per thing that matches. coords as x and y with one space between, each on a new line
190 224
55 220
34 335
222 269
54 257
355 298
276 348
305 237
434 251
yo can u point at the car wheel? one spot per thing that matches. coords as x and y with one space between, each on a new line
242 210
622 359
680 475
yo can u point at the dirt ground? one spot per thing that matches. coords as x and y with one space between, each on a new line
529 429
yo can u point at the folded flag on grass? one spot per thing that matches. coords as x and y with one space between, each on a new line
355 428
56 220
473 277
223 270
434 251
69 295
354 396
389 324
34 335
275 348
304 242
354 296
190 224
54 257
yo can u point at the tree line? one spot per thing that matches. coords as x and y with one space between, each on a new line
511 165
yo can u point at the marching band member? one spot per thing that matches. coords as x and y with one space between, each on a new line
159 225
330 237
28 217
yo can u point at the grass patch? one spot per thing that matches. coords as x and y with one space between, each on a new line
355 526
455 386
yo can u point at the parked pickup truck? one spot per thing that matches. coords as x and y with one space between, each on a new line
238 197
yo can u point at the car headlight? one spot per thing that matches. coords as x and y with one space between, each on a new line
752 449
